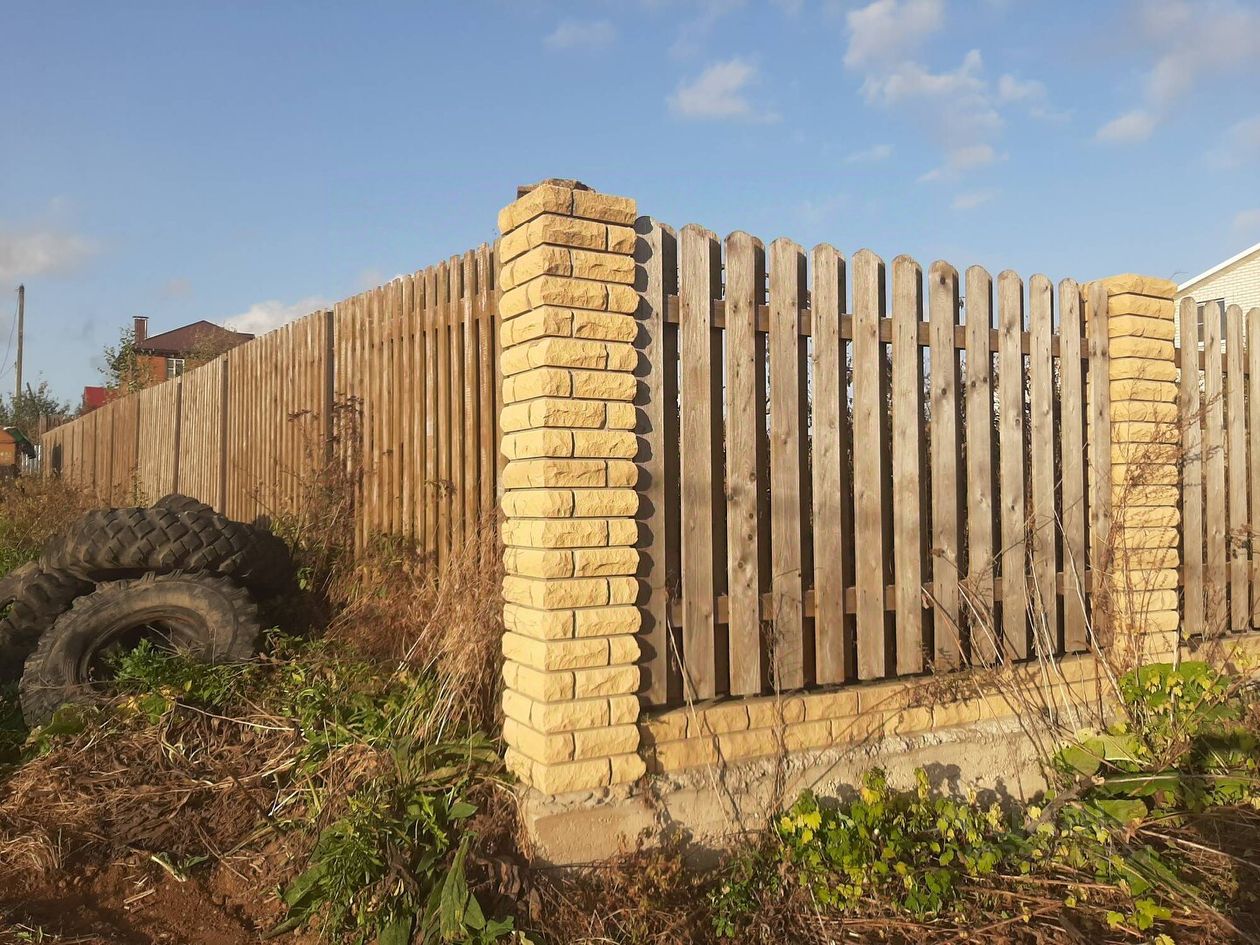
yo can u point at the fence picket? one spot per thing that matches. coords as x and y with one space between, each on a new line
946 457
1253 442
833 502
1236 468
1072 446
1044 520
793 653
870 493
981 507
1214 473
656 254
1011 444
700 275
908 470
745 455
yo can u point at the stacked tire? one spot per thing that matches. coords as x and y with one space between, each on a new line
176 573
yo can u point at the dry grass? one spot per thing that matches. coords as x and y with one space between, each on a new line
32 510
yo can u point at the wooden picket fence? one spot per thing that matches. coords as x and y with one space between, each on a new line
825 503
1220 480
409 368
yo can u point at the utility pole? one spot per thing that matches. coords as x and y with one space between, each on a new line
21 325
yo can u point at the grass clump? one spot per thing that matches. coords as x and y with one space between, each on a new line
32 510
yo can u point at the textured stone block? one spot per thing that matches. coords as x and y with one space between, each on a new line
545 198
558 594
603 385
547 473
607 621
540 624
1144 306
605 326
553 412
604 562
1141 326
559 533
609 443
609 681
604 207
537 444
606 742
1129 283
540 261
1141 368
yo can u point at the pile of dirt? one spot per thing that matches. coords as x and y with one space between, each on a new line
138 902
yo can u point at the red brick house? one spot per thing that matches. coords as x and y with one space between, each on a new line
166 355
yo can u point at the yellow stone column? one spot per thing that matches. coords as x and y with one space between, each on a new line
570 499
1145 468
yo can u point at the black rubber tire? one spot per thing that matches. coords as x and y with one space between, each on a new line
30 600
210 618
177 502
109 544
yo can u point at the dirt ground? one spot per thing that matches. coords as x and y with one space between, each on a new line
137 902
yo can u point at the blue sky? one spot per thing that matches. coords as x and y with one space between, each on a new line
248 162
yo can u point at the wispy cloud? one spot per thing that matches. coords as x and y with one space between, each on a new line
40 250
871 155
1247 221
1187 41
1136 125
963 159
960 109
578 34
976 198
693 31
1240 145
176 288
888 31
719 93
262 317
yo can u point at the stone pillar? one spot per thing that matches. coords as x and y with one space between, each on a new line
1145 468
569 500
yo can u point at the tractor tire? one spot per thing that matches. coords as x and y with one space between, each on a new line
209 618
109 544
30 600
183 504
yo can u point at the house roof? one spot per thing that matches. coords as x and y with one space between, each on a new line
181 341
1252 251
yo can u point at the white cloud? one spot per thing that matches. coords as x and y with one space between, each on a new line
262 317
1188 41
959 109
693 32
576 34
1013 89
26 252
719 92
871 155
959 160
888 31
1132 126
1240 144
969 201
1247 221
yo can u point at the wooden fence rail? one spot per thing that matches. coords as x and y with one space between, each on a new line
410 368
866 475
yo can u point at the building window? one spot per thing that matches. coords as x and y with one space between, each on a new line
174 367
1201 306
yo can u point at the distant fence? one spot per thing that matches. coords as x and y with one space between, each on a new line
842 488
411 366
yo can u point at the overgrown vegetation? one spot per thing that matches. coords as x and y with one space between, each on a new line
349 780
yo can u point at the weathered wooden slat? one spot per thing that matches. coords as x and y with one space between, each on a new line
1253 443
746 411
442 383
793 661
1214 584
472 389
908 467
832 492
1072 450
433 410
1236 466
1011 468
1044 519
700 275
1099 432
1192 543
656 255
947 473
487 396
981 506
870 456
